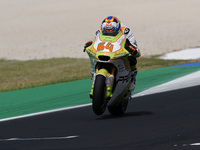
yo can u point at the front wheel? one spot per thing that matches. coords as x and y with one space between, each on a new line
98 100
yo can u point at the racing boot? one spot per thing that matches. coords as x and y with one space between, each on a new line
133 79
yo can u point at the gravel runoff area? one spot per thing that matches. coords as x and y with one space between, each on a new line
42 29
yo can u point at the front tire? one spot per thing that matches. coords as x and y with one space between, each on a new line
98 100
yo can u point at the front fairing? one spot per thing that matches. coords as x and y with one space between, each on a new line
110 46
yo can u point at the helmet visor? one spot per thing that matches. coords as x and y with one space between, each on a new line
110 29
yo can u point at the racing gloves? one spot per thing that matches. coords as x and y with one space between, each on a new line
132 49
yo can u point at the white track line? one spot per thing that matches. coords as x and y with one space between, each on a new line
37 139
193 144
190 80
45 112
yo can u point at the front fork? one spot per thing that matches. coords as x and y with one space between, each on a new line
109 80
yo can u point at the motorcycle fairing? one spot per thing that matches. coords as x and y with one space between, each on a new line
117 57
118 43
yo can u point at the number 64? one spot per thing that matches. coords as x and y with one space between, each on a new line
101 46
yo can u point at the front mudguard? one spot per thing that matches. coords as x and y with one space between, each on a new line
109 82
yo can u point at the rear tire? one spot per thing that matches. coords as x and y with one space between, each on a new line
119 108
98 100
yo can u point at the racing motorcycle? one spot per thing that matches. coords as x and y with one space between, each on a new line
111 74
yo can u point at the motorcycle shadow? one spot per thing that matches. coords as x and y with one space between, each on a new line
128 114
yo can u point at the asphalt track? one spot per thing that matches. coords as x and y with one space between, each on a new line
164 121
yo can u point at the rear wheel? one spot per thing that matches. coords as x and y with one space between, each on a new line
98 101
120 108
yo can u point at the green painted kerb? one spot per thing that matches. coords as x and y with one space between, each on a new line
27 101
153 77
44 98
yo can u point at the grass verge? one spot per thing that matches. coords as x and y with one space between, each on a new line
16 75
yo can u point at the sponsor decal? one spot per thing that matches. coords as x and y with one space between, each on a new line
126 30
124 79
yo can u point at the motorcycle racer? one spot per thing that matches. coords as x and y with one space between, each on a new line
111 26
